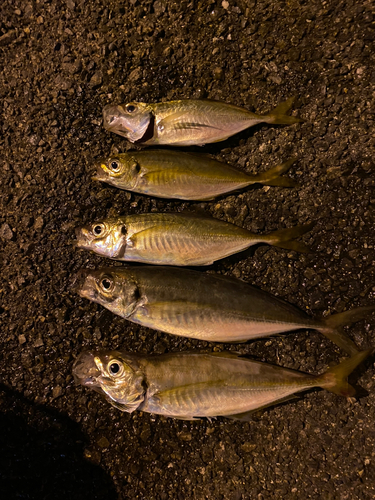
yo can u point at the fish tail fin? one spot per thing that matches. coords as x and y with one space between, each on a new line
335 379
285 238
279 117
272 176
332 327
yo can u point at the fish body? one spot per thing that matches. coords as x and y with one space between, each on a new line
185 176
186 122
177 239
189 385
203 306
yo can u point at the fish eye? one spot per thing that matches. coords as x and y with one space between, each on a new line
130 108
98 229
106 283
114 165
115 368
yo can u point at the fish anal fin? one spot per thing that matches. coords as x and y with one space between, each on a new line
184 417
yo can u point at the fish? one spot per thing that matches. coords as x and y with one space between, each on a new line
189 386
187 122
204 306
177 239
185 176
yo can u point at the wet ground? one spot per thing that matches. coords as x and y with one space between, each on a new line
61 63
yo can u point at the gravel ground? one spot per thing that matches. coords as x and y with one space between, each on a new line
62 62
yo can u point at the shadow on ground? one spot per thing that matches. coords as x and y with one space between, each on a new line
42 454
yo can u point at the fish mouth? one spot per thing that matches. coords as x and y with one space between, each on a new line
83 240
85 370
111 114
113 120
101 174
84 284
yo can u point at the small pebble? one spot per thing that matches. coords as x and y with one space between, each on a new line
6 232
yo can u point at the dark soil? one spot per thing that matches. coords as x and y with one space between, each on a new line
62 61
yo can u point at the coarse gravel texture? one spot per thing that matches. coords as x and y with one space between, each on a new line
62 61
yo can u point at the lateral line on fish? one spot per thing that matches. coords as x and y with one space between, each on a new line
193 126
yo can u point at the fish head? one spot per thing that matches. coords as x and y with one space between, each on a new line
122 170
111 373
113 288
104 237
129 120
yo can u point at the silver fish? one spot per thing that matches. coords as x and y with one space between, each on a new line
177 239
184 176
203 306
188 385
187 122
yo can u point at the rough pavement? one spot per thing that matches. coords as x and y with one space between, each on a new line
62 62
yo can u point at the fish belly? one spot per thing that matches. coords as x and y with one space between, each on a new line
188 187
187 176
212 402
187 385
169 248
197 122
188 319
181 135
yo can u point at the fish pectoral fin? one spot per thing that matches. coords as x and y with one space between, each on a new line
247 415
179 308
152 176
145 233
181 121
121 406
166 399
